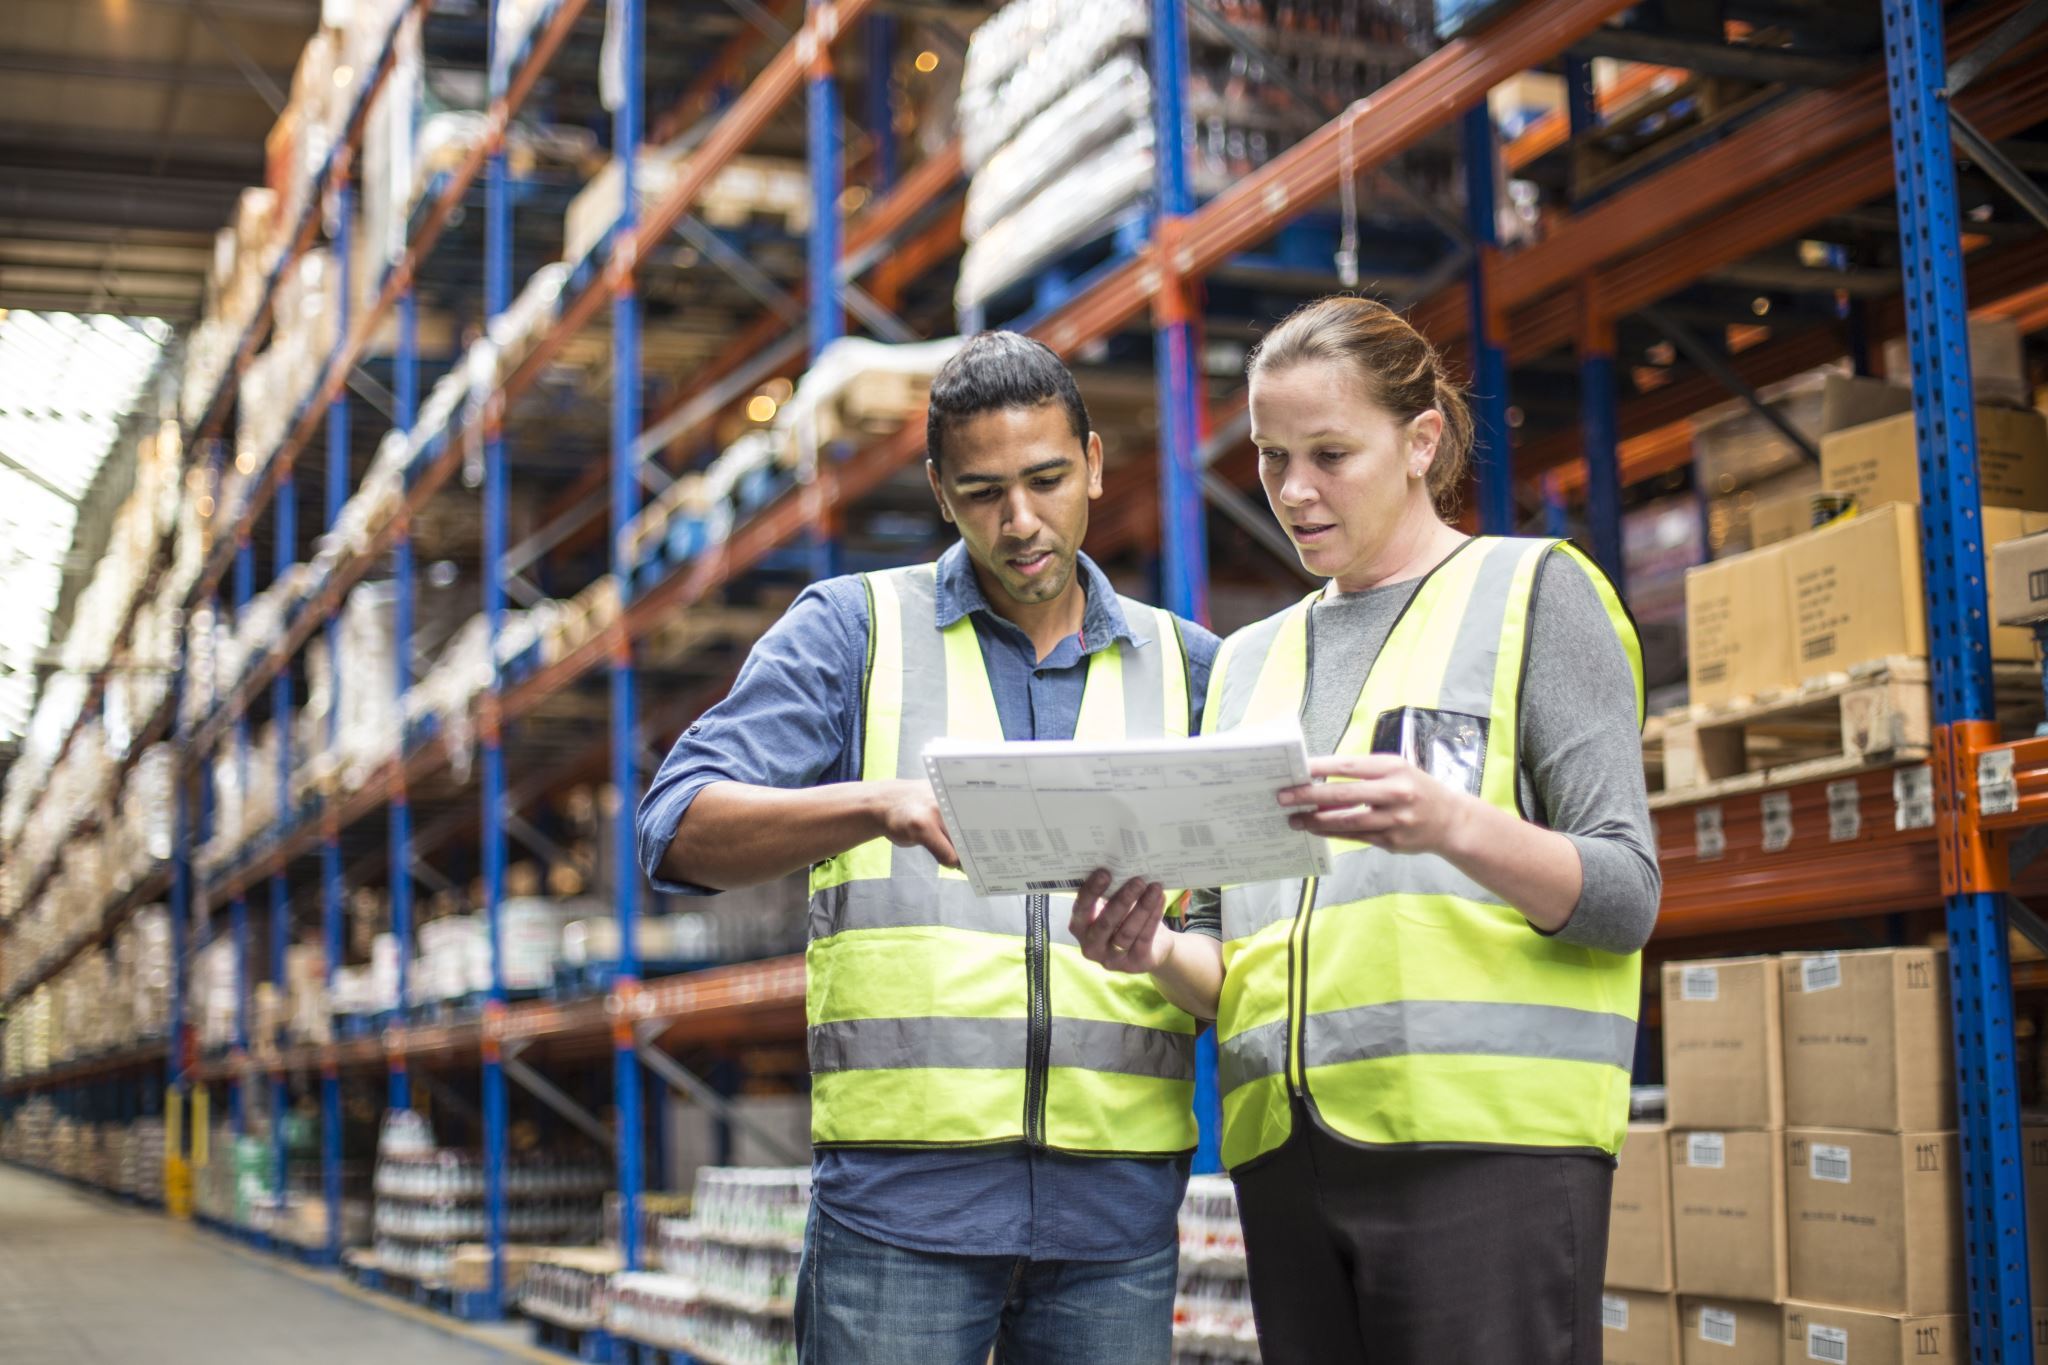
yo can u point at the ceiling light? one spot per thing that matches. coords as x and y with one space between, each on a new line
1759 305
927 61
761 408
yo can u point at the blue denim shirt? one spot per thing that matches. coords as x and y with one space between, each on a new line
793 719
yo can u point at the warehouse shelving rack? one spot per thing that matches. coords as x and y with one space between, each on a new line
1925 841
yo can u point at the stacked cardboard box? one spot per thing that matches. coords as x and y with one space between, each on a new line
1873 1194
1723 1073
1812 1193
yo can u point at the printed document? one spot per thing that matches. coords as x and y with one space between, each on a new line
1038 816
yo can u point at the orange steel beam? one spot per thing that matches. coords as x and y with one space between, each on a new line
1377 129
1554 129
725 69
1709 190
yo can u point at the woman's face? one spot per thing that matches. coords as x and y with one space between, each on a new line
1344 476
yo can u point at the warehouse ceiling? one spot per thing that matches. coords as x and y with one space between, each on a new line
126 129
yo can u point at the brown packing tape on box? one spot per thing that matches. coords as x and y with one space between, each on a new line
1723 1047
1868 1041
1638 1328
1639 1222
1729 1332
1843 1336
1874 1220
1728 1214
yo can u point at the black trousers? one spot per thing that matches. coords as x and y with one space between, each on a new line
1399 1256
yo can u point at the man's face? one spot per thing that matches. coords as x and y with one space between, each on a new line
1018 485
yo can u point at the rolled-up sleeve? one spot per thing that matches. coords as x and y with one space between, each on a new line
787 722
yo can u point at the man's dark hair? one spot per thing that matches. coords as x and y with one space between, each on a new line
996 371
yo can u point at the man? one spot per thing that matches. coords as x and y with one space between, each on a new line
1001 1127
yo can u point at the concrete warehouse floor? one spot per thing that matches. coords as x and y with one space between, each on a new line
86 1281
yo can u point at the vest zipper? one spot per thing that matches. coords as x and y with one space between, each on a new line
1297 937
1038 991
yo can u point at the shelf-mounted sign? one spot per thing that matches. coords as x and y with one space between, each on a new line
1777 813
1998 793
1913 797
1845 810
1710 840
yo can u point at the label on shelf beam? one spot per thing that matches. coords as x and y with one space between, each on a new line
1845 811
1913 793
1710 841
1777 810
1997 792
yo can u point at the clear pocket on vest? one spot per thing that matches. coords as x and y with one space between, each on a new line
1448 745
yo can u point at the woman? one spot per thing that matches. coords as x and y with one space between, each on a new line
1425 1054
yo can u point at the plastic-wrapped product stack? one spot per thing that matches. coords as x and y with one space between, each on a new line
431 1199
728 1272
1212 1312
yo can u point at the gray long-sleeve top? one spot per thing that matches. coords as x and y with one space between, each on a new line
1581 749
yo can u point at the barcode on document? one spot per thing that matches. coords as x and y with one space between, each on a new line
1614 1313
1718 1326
1830 1163
1070 884
1197 836
1827 1343
1821 973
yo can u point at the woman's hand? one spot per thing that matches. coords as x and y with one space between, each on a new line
1125 931
1389 803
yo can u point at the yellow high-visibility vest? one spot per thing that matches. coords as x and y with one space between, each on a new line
1400 1000
938 1018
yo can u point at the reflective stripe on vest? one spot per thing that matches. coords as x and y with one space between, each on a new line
1408 1002
920 994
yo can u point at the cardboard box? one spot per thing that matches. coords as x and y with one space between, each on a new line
1854 592
1638 1328
1879 462
1639 1225
1734 648
1723 1046
1728 1214
1778 518
2019 567
1998 365
1867 1041
2034 1155
1729 1332
1848 400
1874 1220
1842 1336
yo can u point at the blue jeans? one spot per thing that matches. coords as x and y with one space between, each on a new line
863 1302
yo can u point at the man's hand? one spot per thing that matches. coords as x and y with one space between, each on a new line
1126 932
909 815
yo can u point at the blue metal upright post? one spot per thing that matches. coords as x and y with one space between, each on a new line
285 554
826 301
880 32
330 844
238 908
1598 425
497 297
1183 528
625 504
1491 455
1975 869
405 386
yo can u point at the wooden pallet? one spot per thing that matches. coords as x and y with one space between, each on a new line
1659 124
1878 714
